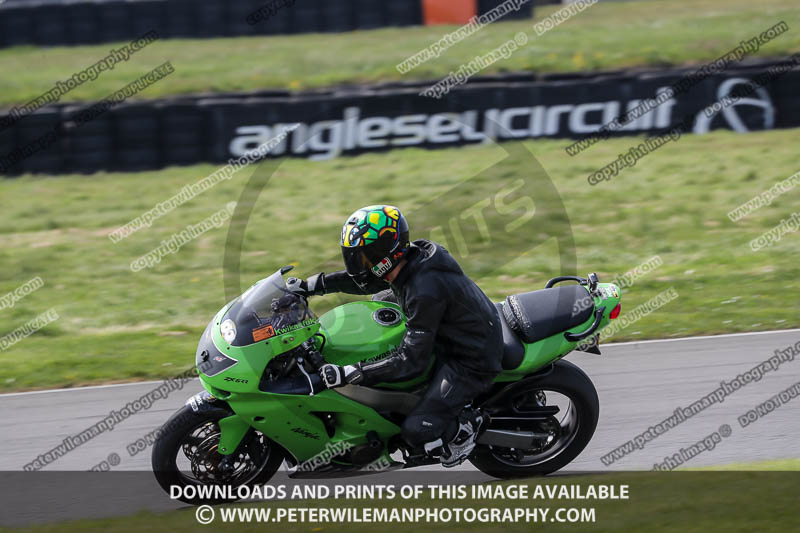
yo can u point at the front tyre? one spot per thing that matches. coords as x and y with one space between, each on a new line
185 453
563 437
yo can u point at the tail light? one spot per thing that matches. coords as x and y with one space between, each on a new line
615 312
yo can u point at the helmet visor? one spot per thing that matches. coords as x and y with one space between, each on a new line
358 266
356 261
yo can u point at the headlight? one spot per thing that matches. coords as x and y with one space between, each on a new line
228 330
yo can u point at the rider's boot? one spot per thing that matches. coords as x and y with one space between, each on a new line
456 451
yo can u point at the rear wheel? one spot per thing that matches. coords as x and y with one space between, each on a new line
559 438
185 454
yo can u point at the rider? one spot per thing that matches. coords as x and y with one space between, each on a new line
443 307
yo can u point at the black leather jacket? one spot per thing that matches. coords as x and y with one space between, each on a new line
446 312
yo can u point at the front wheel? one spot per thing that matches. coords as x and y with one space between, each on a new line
559 439
185 453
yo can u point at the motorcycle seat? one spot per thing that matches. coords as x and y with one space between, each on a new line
513 350
539 314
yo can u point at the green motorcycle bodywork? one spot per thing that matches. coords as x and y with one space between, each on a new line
345 335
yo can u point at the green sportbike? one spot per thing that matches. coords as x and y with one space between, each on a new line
264 402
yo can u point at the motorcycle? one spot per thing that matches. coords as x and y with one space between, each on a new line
264 402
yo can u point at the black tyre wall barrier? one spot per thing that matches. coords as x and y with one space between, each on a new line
84 22
188 130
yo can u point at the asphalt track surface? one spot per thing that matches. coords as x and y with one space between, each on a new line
639 384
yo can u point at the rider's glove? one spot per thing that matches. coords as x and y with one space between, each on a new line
313 286
297 286
338 376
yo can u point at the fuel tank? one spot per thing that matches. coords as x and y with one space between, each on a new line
361 331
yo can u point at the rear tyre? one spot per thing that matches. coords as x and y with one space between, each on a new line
191 438
570 436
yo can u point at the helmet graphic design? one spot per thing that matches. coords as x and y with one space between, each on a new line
374 239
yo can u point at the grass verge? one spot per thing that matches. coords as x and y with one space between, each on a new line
690 502
121 325
781 465
608 35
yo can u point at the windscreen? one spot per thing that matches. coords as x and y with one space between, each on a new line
266 308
